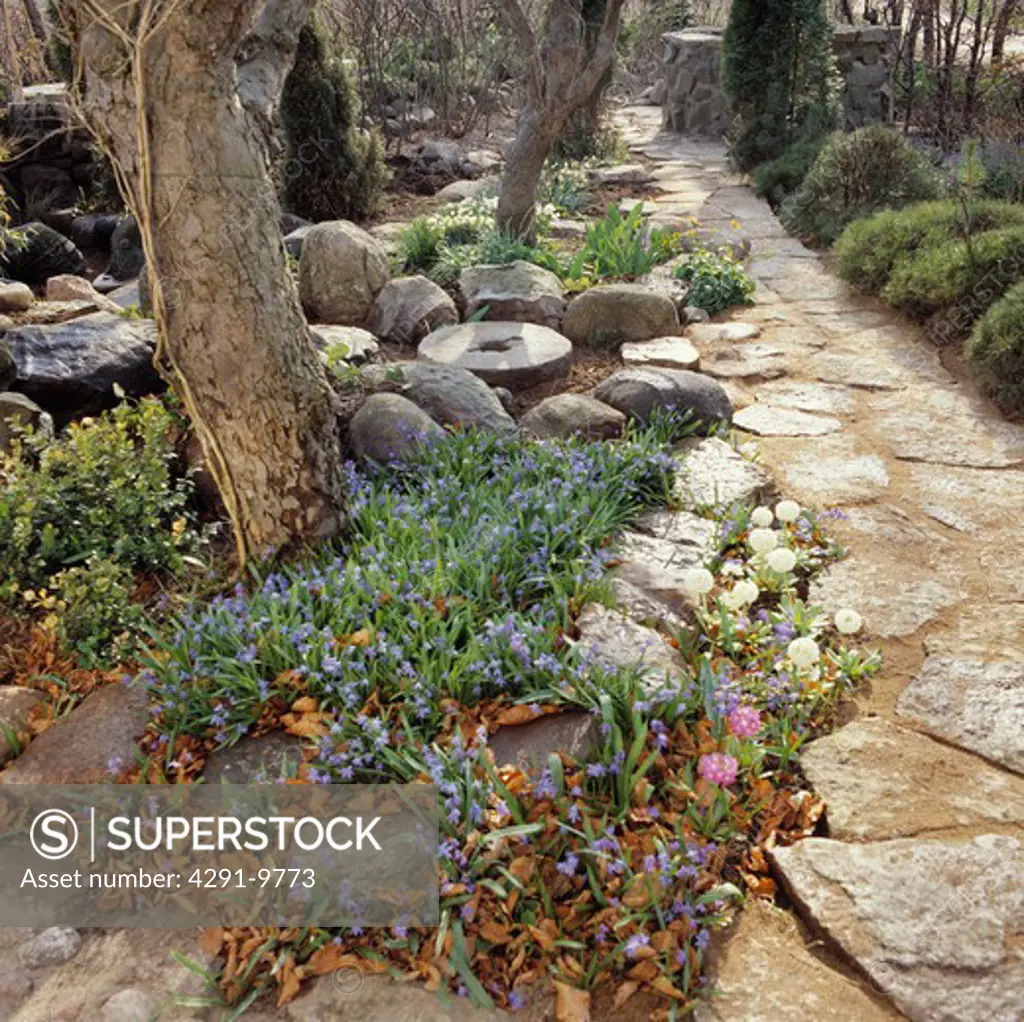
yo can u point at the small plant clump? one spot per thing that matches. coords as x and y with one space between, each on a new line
450 614
623 247
717 281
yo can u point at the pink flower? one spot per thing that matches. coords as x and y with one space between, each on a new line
744 722
718 768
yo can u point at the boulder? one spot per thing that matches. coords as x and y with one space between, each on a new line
68 288
15 296
341 272
294 240
566 415
259 760
8 370
350 343
409 308
95 230
126 256
638 392
611 314
16 410
460 191
71 368
450 396
513 355
528 746
389 427
44 254
515 292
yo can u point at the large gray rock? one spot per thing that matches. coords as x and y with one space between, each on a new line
453 397
8 370
638 393
14 296
389 427
341 272
658 568
71 368
528 746
409 308
518 291
974 703
261 760
934 925
44 254
350 343
612 314
710 474
883 781
513 355
566 415
662 352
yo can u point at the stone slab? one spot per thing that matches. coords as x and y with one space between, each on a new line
709 473
767 420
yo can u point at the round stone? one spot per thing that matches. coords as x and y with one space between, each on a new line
513 355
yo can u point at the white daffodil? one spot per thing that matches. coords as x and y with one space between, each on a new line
763 541
804 652
742 594
698 581
782 560
848 621
787 510
762 517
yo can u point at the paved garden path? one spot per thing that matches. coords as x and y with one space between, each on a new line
917 896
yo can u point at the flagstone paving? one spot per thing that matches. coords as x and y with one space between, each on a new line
918 892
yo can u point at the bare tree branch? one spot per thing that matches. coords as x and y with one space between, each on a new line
519 24
603 55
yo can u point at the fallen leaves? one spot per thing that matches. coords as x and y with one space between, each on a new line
571 1004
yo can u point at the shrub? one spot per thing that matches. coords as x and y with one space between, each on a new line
995 350
779 76
104 489
971 275
777 179
334 170
495 249
564 186
717 281
622 246
868 250
1004 169
855 175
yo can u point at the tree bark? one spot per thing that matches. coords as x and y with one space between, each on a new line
1001 30
35 19
233 338
517 201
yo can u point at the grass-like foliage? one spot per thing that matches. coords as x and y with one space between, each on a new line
624 247
717 281
995 350
855 175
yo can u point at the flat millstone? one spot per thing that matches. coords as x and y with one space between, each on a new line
884 781
893 604
766 420
746 361
620 643
935 925
710 474
668 352
766 974
714 333
976 704
513 355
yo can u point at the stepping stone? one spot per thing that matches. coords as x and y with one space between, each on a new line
619 643
894 600
981 631
565 415
858 371
765 973
566 229
765 420
798 279
883 781
989 503
91 745
669 352
360 344
895 526
750 361
715 333
807 397
16 705
710 474
621 174
528 746
974 703
964 442
513 355
935 925
647 207
831 471
903 346
259 760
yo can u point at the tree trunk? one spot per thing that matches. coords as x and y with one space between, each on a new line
517 199
233 338
1002 29
35 19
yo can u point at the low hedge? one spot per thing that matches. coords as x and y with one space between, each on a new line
995 350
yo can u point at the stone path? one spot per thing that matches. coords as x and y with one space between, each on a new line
918 893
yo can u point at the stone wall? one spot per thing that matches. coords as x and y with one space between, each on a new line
694 103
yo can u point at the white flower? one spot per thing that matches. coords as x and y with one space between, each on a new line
782 560
742 595
787 510
848 621
763 541
762 517
804 652
698 581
